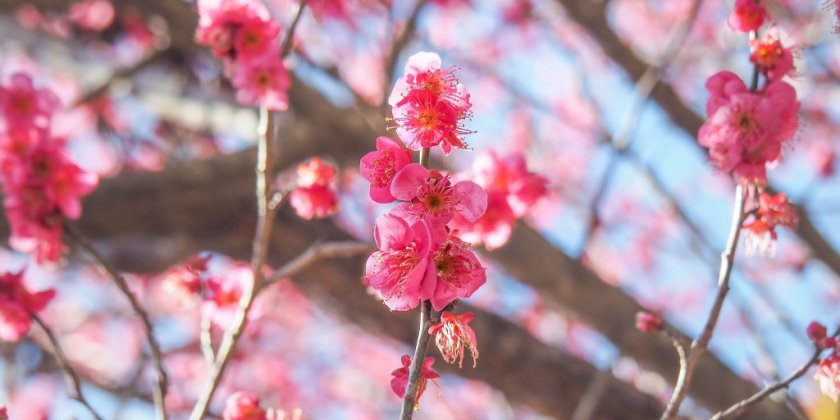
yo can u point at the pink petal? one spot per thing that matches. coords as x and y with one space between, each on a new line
473 201
405 183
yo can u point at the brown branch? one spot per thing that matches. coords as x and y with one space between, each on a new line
317 253
699 346
148 328
61 359
768 390
401 40
288 39
265 221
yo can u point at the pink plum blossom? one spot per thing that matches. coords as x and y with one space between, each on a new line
748 15
244 405
314 196
493 228
263 82
397 270
510 175
17 304
453 335
453 272
746 130
399 382
23 104
431 194
379 167
828 376
772 58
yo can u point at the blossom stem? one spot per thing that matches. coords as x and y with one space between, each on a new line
415 372
159 393
689 362
69 374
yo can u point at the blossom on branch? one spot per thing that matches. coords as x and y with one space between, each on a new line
748 15
773 210
828 376
429 105
244 405
17 304
746 130
379 167
399 382
432 195
453 335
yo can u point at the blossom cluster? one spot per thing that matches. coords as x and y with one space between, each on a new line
41 184
828 368
17 304
746 129
512 190
422 256
429 105
243 34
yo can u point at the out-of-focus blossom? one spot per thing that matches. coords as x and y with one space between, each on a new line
647 322
315 196
772 58
92 15
773 210
453 335
243 34
244 405
746 130
263 81
828 376
748 15
17 304
41 185
512 191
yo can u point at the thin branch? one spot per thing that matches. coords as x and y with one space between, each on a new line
265 221
316 253
69 374
699 345
122 285
595 392
427 314
288 38
206 338
127 72
401 40
768 390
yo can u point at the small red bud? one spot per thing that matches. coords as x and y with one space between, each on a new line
828 342
647 322
816 331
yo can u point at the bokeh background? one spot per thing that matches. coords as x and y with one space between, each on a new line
604 98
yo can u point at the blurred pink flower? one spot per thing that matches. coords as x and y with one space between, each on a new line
748 15
17 304
244 405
